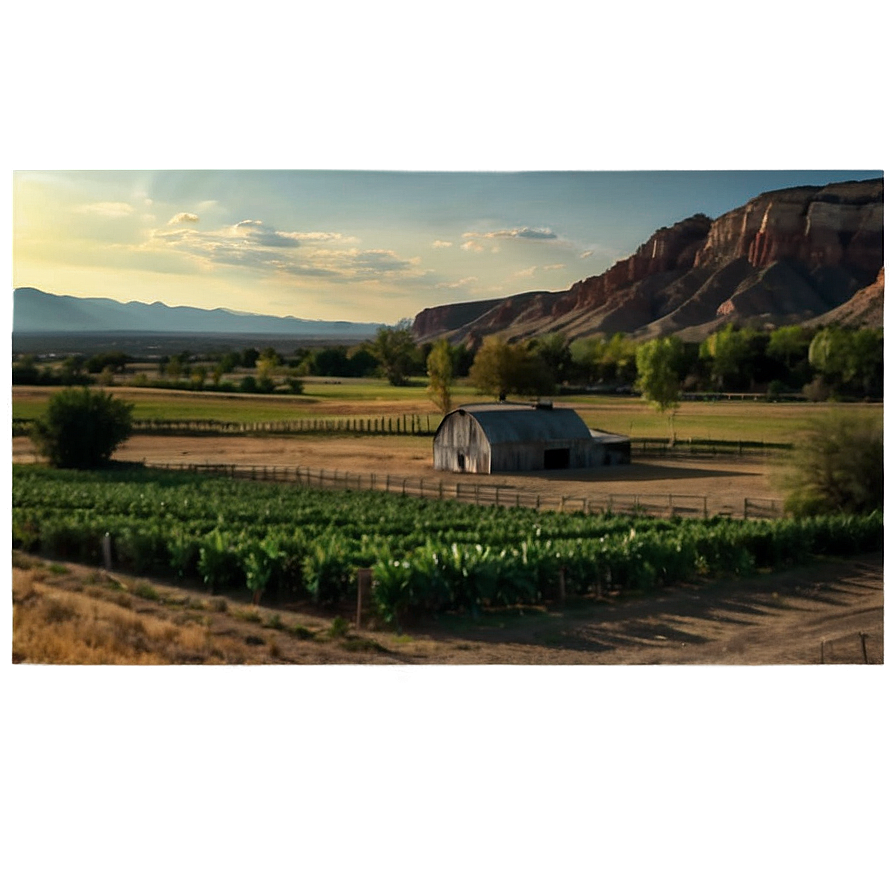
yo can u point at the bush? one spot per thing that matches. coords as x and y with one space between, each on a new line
81 428
839 468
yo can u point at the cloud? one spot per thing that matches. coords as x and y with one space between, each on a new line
516 233
472 246
264 250
441 244
108 209
184 218
553 267
587 254
458 284
526 272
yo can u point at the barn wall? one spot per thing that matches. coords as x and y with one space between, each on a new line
460 434
509 457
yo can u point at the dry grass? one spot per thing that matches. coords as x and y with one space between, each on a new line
99 627
58 618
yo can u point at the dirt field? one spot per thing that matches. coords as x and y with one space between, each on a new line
724 483
834 610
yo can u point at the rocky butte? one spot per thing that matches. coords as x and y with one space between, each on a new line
800 255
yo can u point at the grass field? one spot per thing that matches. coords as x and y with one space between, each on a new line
727 420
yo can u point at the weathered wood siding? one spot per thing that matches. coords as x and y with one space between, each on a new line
504 438
460 445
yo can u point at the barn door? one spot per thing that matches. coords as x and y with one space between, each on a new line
556 459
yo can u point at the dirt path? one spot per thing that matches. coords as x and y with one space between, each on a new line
778 618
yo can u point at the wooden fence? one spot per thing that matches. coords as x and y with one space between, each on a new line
485 494
421 425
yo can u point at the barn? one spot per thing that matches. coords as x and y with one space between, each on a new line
506 437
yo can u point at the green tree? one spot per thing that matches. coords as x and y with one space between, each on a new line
838 467
727 349
789 344
849 360
554 350
440 367
502 368
394 349
659 362
81 428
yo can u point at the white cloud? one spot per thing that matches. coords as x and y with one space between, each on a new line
526 272
587 254
441 244
472 246
553 267
458 284
108 209
257 247
523 233
184 218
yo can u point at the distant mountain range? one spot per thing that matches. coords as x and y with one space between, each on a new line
811 255
801 255
37 312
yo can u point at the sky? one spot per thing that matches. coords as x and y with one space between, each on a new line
373 246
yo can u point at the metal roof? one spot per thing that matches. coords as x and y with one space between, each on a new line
511 422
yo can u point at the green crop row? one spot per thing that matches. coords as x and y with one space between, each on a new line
427 556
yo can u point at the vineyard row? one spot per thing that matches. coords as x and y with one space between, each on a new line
302 544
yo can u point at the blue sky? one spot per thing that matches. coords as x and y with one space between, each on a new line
354 245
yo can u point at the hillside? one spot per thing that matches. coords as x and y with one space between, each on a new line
788 256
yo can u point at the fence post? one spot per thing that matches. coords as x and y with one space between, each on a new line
705 513
365 583
746 503
107 552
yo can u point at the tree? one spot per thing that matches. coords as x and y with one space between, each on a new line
394 349
81 428
659 363
789 344
851 360
501 368
554 350
727 349
838 467
440 367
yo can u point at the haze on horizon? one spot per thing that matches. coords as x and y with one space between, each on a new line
350 245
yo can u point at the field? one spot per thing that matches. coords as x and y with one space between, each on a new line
794 623
724 419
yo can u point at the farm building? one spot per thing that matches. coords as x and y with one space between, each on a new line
506 438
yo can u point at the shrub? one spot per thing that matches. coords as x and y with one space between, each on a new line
81 428
838 468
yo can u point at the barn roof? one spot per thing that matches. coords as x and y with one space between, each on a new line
510 422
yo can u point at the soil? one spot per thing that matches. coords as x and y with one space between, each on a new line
831 612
